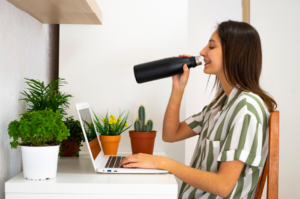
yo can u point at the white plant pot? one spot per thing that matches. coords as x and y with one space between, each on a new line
40 162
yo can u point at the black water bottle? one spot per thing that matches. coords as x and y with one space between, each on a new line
162 68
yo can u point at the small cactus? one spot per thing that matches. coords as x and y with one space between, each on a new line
139 124
150 125
145 128
142 115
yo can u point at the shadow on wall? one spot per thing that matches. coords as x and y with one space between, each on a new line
28 49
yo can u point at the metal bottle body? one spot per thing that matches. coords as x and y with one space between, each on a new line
163 68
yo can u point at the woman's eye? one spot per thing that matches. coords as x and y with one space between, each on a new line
211 47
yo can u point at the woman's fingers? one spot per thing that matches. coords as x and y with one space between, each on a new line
184 55
124 161
131 165
180 80
185 70
141 160
185 75
128 159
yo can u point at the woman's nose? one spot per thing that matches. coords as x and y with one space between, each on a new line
203 52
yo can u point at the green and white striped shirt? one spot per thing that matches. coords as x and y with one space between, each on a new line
234 128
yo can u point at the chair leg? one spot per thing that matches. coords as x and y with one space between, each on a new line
262 180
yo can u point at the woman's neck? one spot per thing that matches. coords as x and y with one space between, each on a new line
225 85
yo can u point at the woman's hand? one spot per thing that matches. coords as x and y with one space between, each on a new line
180 80
144 161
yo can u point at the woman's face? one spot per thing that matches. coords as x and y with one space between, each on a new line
212 55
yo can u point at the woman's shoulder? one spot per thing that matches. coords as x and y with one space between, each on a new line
252 104
252 99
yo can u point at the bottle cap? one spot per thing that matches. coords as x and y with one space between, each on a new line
198 60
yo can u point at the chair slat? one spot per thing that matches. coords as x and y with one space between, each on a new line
273 156
271 167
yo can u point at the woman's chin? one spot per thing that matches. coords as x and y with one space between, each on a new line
206 71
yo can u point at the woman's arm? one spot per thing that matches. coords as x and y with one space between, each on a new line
220 183
173 130
171 122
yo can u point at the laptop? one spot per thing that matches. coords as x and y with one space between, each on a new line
103 163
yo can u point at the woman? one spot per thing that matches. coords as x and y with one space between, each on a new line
233 129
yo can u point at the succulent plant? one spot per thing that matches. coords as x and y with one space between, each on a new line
150 124
139 124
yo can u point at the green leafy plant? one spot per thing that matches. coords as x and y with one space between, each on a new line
90 130
139 124
75 133
45 97
38 128
111 126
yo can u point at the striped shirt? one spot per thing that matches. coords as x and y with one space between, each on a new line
234 128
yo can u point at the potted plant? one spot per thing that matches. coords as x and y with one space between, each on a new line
41 133
45 97
143 137
71 146
110 130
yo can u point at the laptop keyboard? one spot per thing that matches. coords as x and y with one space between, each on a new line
114 162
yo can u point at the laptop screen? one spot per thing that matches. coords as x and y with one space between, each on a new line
90 132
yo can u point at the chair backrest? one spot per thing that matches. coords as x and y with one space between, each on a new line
271 168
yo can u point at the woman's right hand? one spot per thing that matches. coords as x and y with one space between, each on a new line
180 80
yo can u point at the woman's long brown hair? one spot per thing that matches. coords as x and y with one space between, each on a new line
242 60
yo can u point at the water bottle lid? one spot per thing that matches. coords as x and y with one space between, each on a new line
198 60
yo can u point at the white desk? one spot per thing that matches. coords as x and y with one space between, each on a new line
76 179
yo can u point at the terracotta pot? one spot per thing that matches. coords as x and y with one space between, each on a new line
110 144
95 147
73 147
142 142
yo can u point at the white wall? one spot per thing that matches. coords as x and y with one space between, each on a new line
97 61
277 22
203 17
27 49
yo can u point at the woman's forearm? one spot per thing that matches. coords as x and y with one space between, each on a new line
203 180
171 119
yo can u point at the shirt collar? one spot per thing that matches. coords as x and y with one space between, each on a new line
220 101
226 99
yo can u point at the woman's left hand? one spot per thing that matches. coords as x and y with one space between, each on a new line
144 161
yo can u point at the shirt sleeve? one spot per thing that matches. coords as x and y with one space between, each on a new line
195 122
244 142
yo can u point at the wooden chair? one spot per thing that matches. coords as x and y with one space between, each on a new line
272 161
